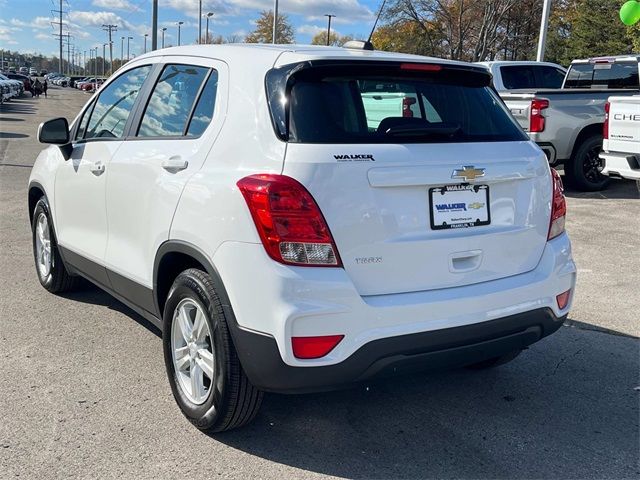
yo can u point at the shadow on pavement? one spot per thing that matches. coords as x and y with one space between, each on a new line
13 135
566 408
86 292
19 106
617 189
10 119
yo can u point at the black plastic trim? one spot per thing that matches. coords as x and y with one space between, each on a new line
89 269
434 350
135 292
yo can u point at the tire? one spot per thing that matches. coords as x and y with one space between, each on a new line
583 171
495 361
223 398
50 268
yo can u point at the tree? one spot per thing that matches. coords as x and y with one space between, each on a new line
263 32
597 30
336 40
405 36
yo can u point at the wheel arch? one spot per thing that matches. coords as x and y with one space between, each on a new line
586 132
172 258
36 192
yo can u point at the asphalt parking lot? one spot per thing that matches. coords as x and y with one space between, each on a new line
83 390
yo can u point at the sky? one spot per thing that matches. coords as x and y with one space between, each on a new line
25 25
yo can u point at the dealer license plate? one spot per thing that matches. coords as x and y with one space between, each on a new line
459 206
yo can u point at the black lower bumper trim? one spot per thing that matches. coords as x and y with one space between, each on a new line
439 349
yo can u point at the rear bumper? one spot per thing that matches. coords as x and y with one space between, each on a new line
434 350
623 165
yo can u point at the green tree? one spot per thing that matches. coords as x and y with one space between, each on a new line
596 30
336 40
263 32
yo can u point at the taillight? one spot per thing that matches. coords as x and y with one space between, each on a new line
314 347
289 222
406 106
558 207
536 121
605 126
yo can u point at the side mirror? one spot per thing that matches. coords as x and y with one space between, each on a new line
54 131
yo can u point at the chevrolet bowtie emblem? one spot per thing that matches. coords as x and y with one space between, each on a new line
468 172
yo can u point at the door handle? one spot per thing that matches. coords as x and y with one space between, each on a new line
174 164
97 168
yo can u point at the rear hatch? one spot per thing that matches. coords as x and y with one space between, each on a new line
447 191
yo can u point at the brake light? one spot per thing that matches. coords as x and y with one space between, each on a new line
424 67
536 121
406 106
314 347
558 207
605 126
289 222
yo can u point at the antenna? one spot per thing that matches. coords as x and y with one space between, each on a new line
376 22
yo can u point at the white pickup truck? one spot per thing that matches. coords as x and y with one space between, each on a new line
621 145
567 123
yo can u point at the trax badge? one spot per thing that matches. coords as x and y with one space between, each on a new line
468 172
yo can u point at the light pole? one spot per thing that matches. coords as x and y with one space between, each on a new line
329 27
206 40
95 68
84 62
275 20
154 25
121 51
179 24
145 42
103 60
164 29
199 22
128 39
542 40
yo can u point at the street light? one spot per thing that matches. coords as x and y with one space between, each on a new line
210 14
329 27
275 21
121 51
128 39
164 29
179 24
145 42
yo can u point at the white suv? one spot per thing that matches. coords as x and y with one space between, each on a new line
285 237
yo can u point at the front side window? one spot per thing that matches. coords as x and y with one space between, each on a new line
170 105
114 104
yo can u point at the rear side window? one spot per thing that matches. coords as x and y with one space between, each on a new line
172 100
549 77
114 104
518 76
387 105
203 113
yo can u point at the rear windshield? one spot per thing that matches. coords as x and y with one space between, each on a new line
384 104
603 75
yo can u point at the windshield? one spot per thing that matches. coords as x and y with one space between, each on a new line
393 104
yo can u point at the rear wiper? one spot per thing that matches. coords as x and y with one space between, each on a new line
423 130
